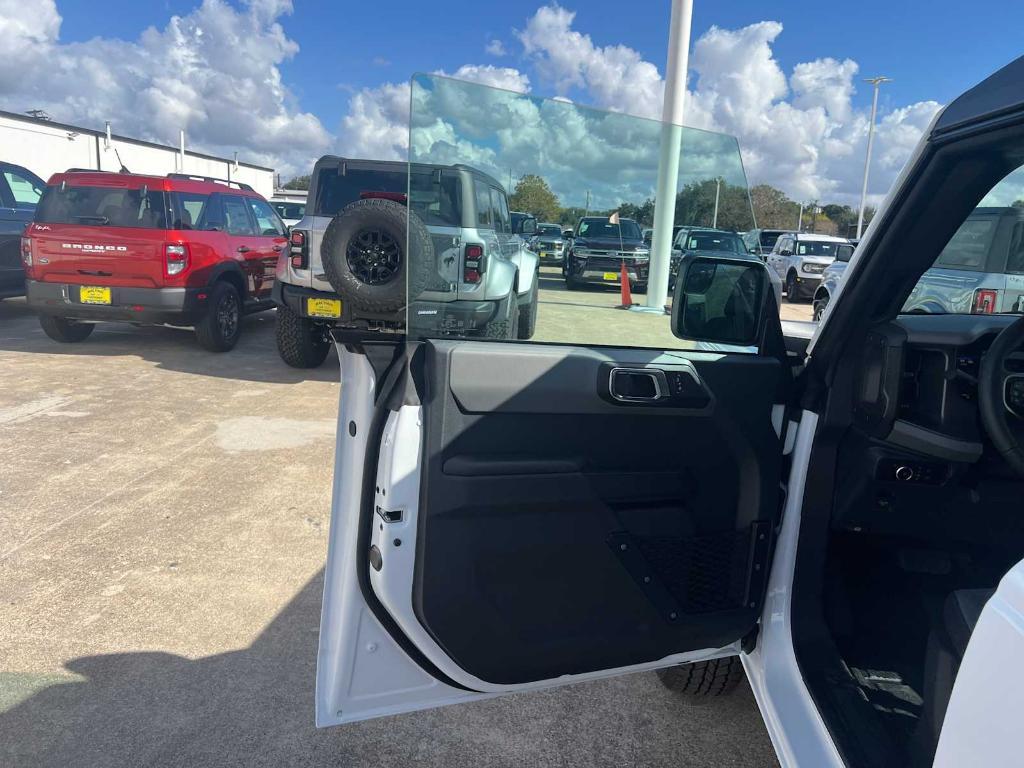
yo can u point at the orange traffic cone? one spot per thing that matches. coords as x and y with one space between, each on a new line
627 295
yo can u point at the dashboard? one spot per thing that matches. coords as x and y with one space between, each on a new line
916 460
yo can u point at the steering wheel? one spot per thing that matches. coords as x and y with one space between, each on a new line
1001 396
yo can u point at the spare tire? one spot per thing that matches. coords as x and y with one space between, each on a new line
365 256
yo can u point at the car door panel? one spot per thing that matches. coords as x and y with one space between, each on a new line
542 532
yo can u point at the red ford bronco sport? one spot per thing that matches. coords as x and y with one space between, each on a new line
175 250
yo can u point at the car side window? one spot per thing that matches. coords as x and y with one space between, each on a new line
236 216
23 191
499 211
267 222
483 207
189 209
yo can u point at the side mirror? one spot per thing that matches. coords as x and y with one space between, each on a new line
567 234
721 300
528 227
786 253
844 254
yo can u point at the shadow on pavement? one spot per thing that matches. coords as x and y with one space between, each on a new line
255 357
254 707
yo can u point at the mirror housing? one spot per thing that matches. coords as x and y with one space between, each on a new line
567 234
525 226
844 254
722 300
785 253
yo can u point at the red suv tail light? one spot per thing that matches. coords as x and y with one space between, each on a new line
474 265
175 258
298 249
984 301
26 251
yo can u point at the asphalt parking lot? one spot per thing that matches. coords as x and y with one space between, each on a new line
163 527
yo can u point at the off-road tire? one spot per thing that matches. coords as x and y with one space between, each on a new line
703 680
216 332
792 289
572 284
528 314
300 342
505 325
63 330
388 287
819 309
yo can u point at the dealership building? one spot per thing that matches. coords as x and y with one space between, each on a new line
46 147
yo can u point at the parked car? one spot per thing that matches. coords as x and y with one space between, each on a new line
598 249
548 244
838 521
648 234
348 265
290 205
980 271
799 259
176 250
760 242
705 240
20 190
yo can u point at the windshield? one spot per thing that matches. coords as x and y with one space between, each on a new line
103 206
714 241
602 228
549 230
290 210
816 248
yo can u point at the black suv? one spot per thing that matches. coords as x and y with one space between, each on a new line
597 250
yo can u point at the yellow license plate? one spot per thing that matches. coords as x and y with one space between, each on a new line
543 254
611 275
88 294
323 307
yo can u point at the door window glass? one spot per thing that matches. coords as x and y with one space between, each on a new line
188 209
236 216
484 217
499 212
26 193
588 171
267 222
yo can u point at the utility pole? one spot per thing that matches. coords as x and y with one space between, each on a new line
586 208
800 219
876 82
668 160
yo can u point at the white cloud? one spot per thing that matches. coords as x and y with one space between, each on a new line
615 76
377 123
798 132
496 48
213 72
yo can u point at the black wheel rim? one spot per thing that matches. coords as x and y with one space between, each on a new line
227 315
373 256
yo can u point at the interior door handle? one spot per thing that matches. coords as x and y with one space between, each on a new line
638 385
243 249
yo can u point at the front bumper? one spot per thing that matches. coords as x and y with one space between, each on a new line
607 272
550 254
172 306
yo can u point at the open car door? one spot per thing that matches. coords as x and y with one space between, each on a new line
513 516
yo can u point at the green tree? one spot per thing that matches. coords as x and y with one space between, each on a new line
299 182
533 195
695 205
772 208
642 214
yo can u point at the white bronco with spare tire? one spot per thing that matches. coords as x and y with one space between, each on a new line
348 263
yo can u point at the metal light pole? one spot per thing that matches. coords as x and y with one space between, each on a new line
876 82
668 161
718 187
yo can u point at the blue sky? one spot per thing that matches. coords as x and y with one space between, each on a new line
933 50
285 81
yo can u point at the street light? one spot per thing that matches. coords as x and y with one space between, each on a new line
876 82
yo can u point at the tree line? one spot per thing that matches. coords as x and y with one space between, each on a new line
695 205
